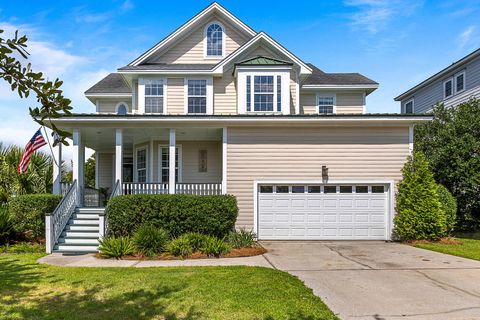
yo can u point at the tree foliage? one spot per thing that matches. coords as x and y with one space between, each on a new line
420 214
451 142
23 80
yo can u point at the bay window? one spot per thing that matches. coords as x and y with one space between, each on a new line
264 93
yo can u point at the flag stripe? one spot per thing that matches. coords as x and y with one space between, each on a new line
35 143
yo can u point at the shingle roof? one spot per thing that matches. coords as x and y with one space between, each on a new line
318 77
113 83
164 66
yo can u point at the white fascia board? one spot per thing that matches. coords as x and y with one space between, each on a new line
107 95
166 72
342 87
304 69
187 26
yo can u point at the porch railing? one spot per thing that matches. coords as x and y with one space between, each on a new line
199 189
56 221
144 188
64 186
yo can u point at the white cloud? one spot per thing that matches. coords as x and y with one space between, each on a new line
466 36
127 5
374 15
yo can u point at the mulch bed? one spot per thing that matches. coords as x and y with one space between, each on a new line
446 240
234 253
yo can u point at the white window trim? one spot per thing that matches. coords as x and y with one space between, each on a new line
464 82
453 88
326 94
135 169
159 162
119 104
141 94
209 94
242 90
205 41
412 100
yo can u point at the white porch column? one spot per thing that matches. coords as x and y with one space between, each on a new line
118 155
224 160
78 164
57 169
410 140
171 163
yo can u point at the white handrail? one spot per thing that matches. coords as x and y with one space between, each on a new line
56 222
200 189
144 188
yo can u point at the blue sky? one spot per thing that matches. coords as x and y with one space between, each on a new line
397 43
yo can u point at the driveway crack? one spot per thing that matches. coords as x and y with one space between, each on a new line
269 262
348 258
447 284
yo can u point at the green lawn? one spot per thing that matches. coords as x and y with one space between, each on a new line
29 290
469 248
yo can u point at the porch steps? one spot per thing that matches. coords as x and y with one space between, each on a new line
81 234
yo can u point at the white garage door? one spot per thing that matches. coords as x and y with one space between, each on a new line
323 212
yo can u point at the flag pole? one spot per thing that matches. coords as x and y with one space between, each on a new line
51 150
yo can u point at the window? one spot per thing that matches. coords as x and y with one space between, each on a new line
141 165
313 189
409 106
153 96
281 189
346 189
263 93
448 88
325 104
122 109
361 189
214 38
298 189
249 93
330 189
165 164
279 93
197 96
378 189
460 82
266 189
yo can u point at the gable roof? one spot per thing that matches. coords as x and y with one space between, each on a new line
318 77
439 74
189 25
114 83
262 36
263 61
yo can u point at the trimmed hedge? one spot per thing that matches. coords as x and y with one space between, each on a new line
28 213
176 213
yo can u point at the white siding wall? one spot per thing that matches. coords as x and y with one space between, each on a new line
105 170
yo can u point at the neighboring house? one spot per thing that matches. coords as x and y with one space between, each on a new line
453 85
216 107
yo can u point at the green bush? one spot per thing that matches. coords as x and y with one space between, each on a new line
116 247
176 213
195 239
23 247
215 247
242 238
149 240
6 226
420 215
28 213
180 247
449 205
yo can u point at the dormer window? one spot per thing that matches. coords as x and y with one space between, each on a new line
214 40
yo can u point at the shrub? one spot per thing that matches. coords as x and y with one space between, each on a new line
23 247
176 213
116 247
195 239
215 247
5 224
242 238
180 247
449 205
149 240
420 215
28 213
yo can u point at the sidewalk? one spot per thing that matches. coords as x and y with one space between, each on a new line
89 260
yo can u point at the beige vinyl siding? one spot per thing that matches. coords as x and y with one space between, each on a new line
105 170
224 95
293 92
109 105
346 102
350 153
175 96
190 48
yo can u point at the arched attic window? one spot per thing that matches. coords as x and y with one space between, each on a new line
122 108
214 36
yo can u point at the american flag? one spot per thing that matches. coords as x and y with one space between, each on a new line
35 143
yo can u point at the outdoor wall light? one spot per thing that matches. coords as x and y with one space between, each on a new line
324 174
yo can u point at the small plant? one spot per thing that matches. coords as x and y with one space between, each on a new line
149 240
215 247
6 226
242 238
116 247
180 247
23 247
195 239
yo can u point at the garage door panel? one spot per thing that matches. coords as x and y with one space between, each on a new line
320 216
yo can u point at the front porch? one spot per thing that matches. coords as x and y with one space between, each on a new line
147 161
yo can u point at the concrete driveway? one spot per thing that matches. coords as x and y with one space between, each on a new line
379 280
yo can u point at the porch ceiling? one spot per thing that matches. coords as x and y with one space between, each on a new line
103 139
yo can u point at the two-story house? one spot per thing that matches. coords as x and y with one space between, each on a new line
451 86
215 108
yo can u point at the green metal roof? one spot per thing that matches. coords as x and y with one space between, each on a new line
263 61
